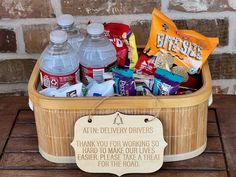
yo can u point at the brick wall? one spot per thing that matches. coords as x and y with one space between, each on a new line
25 26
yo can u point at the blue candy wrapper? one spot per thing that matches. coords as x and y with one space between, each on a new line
124 82
166 82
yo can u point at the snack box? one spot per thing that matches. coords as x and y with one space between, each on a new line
184 118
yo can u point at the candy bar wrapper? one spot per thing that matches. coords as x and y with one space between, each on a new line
124 82
101 89
147 65
48 91
52 91
70 91
66 90
189 48
144 84
165 82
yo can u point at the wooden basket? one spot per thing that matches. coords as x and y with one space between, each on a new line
184 119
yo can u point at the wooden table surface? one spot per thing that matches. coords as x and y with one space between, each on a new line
19 156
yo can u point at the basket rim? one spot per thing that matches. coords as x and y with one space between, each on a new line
116 102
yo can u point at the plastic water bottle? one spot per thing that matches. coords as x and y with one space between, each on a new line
59 62
97 54
66 23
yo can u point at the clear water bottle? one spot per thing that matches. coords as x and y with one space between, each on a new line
58 62
97 54
66 23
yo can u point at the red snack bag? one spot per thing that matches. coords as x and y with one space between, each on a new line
115 32
145 65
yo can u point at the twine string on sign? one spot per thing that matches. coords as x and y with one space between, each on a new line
157 101
96 106
100 102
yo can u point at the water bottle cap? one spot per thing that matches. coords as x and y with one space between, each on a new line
95 28
65 20
58 36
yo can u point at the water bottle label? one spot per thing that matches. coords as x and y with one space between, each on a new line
49 80
95 73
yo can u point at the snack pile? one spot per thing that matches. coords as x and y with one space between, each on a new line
169 64
167 44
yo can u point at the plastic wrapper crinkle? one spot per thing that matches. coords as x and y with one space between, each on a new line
124 82
165 82
189 48
124 42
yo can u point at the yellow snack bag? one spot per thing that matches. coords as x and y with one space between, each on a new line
189 48
134 55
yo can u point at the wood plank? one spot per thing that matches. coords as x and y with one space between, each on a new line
232 173
79 173
26 116
173 173
8 112
212 129
206 161
21 102
6 123
24 130
227 124
22 145
211 116
224 101
214 145
30 160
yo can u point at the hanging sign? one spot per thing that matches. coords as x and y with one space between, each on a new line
119 144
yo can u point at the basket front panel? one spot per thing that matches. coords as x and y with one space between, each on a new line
184 128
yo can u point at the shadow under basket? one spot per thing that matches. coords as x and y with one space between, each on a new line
184 118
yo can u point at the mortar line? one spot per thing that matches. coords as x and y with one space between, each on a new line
20 40
127 17
232 28
164 5
56 5
12 56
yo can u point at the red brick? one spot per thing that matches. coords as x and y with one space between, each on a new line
104 7
141 30
25 8
36 37
223 66
16 70
201 6
7 40
210 28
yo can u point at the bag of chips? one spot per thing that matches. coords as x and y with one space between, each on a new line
133 53
189 48
124 42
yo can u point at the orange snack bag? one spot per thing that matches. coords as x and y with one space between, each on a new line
189 48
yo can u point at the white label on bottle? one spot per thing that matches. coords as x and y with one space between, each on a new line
98 75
